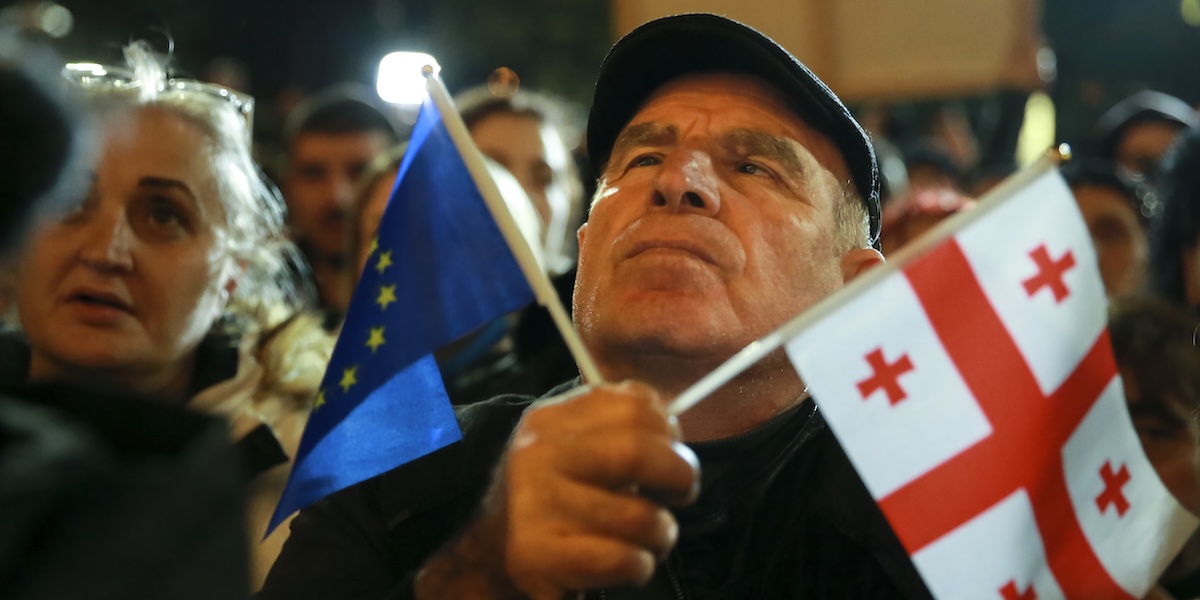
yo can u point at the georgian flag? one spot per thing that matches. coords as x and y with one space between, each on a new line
975 391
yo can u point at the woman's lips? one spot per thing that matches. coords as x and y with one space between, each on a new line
98 307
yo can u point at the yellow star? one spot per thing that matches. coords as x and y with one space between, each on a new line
385 261
374 246
348 378
376 339
320 401
387 295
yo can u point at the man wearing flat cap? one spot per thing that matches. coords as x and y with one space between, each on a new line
735 192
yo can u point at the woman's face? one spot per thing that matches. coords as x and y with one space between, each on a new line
371 214
516 142
128 284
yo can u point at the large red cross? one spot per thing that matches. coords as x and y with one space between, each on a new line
1112 494
1050 273
885 376
1010 592
1029 430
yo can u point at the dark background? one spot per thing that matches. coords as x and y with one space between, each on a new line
1106 49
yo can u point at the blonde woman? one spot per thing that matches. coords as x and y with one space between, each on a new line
172 279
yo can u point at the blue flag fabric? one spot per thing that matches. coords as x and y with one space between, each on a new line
438 269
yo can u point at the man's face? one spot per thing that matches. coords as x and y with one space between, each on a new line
1121 245
1170 435
713 223
323 171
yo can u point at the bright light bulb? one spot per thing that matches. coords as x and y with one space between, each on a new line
400 79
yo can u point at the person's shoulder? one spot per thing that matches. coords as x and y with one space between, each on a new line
843 501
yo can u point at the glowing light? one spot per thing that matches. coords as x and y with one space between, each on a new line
93 69
400 78
1037 132
53 19
1190 10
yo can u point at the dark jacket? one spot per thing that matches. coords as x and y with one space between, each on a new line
110 496
781 515
114 498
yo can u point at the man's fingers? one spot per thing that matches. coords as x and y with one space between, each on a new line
621 459
583 562
624 516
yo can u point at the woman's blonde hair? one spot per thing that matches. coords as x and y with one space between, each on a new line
270 273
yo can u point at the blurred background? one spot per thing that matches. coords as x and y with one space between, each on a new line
973 74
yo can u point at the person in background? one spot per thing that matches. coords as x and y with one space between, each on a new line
531 135
1154 343
483 360
1136 132
934 193
527 133
373 190
170 278
1175 233
1117 210
330 140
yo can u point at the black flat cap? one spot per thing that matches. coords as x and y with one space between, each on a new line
667 48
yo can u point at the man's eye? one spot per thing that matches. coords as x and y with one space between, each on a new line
311 172
1157 429
645 160
751 169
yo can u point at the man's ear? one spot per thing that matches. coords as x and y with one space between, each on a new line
857 261
581 233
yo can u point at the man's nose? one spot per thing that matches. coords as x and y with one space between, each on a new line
687 182
341 191
108 245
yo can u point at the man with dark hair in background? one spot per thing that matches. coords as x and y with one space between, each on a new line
330 140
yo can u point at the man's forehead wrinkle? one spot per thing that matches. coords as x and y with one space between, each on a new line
645 134
758 143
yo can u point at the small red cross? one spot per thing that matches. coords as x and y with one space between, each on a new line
1010 592
1050 273
1113 482
886 376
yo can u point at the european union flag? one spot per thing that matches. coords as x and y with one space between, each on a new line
438 269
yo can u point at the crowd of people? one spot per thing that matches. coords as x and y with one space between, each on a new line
178 288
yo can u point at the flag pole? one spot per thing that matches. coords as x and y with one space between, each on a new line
775 340
543 290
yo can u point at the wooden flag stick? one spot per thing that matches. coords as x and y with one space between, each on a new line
775 340
543 290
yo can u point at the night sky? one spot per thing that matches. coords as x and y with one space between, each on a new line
1106 48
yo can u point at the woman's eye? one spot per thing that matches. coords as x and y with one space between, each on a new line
165 215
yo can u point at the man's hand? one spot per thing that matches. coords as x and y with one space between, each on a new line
571 505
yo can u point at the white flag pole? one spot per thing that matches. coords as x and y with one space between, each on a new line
543 290
758 349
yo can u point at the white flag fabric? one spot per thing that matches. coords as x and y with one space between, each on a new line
976 393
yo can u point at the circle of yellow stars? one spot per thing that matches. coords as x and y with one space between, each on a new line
375 338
